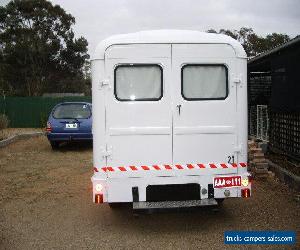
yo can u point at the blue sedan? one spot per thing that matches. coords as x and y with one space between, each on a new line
69 121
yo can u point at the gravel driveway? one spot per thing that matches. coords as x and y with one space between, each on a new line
46 203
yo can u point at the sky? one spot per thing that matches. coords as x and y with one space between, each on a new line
98 19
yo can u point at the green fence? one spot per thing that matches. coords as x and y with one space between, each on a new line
32 112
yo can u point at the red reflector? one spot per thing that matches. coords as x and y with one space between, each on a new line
245 192
98 198
48 127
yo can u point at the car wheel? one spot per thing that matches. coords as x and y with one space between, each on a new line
54 145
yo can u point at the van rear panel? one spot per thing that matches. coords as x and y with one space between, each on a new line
172 116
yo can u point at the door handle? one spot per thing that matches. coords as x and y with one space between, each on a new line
179 108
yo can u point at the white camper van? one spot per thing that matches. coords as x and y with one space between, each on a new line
169 119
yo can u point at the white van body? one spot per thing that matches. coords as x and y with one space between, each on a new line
169 109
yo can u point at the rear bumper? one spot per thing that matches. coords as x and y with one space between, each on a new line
121 189
69 136
142 205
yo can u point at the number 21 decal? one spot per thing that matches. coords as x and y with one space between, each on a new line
231 159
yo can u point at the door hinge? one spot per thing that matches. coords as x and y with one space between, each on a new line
238 81
107 153
103 83
238 149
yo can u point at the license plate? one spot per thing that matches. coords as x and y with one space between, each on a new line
71 125
227 181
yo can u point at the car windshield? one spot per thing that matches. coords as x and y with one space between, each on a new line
72 111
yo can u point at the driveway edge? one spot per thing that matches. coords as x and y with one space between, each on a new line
17 137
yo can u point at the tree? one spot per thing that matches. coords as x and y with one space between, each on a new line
38 50
211 31
252 43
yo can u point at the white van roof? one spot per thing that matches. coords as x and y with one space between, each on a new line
168 37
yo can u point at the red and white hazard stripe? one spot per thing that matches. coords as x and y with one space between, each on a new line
171 167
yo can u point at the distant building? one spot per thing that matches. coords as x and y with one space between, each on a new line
274 97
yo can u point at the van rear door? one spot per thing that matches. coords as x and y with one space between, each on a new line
205 115
137 103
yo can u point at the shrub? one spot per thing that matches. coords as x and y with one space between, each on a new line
3 124
4 121
43 119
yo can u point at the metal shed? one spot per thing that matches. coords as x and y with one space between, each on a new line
274 97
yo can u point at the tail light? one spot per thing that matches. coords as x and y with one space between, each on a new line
245 192
48 127
98 198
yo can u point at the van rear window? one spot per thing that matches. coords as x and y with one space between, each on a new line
138 82
72 111
204 82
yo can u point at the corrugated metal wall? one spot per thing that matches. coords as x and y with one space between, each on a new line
32 112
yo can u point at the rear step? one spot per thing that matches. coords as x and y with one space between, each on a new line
142 205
